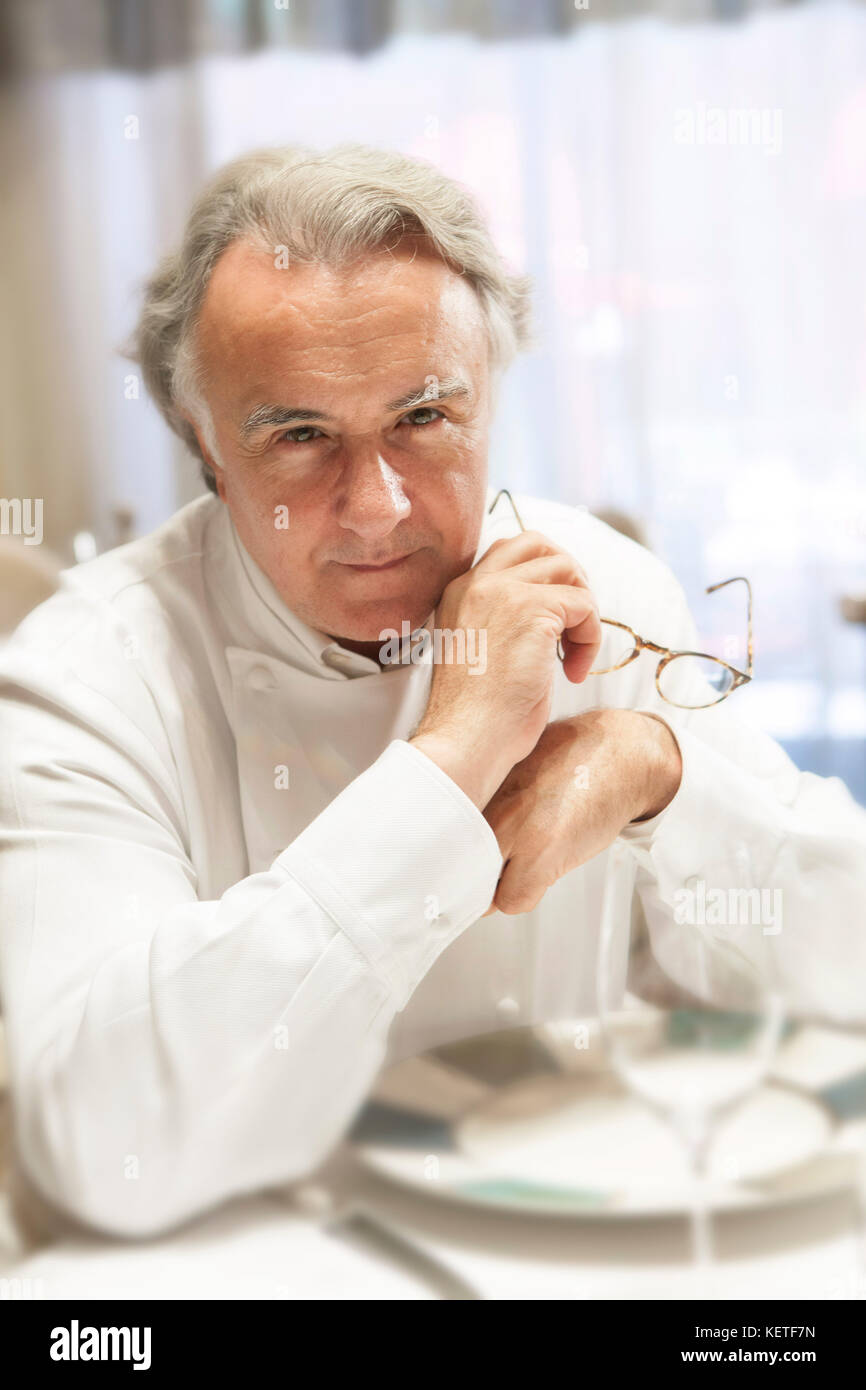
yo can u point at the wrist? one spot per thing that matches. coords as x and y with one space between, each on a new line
476 773
663 766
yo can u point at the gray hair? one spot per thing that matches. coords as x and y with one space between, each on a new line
331 207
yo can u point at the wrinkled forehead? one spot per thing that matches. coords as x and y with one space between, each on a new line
404 304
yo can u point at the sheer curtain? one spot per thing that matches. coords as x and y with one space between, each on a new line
692 203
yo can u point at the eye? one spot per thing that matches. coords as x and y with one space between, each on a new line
301 434
424 411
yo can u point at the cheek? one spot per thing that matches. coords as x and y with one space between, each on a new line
278 529
263 496
462 444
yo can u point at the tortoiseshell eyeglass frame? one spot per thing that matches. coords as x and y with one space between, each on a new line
667 654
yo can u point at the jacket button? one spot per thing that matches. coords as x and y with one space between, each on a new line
260 678
340 661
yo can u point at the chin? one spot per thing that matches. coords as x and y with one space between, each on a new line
368 623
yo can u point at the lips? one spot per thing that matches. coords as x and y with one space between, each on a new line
374 569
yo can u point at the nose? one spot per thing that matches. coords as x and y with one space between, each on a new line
372 499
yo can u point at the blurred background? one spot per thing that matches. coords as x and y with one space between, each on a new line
685 180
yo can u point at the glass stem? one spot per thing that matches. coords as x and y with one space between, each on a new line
696 1135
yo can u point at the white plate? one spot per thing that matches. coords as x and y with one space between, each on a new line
520 1121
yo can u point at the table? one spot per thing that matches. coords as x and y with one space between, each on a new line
262 1247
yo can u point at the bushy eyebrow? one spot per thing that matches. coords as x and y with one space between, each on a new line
264 415
272 415
432 390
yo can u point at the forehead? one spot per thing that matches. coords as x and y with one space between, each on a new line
404 305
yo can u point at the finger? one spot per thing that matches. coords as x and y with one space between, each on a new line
579 629
502 554
519 889
579 656
516 551
581 637
558 568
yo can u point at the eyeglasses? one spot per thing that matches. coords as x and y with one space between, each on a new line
689 680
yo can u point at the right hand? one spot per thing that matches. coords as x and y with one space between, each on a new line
524 593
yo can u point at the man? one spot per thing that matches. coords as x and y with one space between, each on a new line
245 859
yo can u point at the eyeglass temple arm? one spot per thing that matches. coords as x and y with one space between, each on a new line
740 579
503 492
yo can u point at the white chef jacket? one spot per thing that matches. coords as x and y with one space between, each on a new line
231 889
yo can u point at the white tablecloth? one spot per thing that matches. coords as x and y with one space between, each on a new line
263 1248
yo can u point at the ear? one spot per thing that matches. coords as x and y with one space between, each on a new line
218 475
216 470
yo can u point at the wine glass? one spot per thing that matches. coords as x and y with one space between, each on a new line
690 1029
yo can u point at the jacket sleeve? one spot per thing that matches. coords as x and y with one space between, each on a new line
745 819
167 1053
